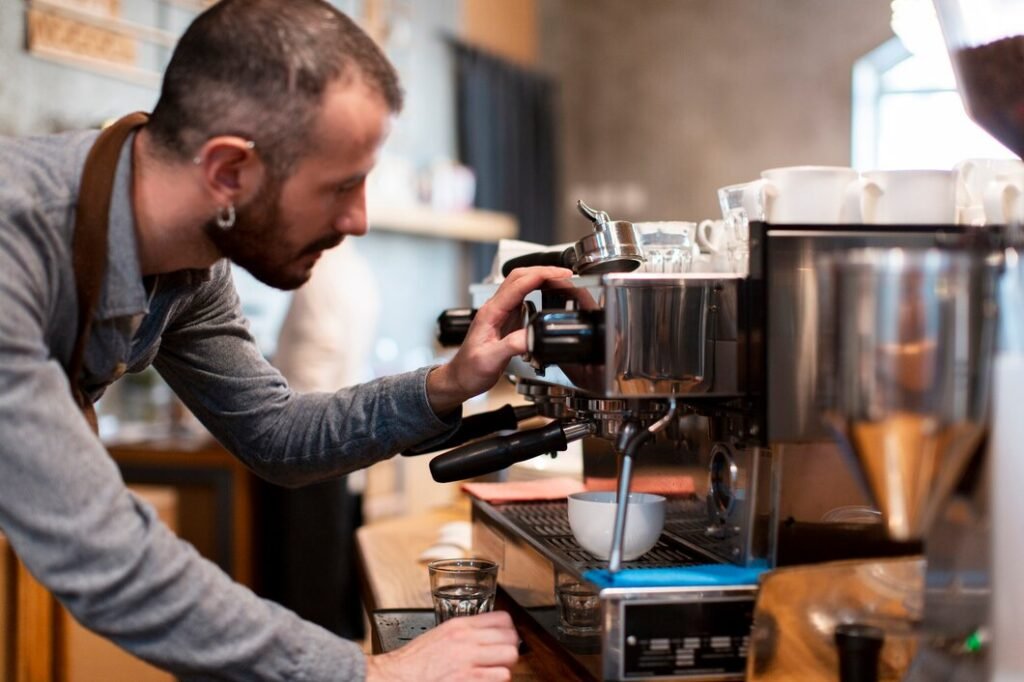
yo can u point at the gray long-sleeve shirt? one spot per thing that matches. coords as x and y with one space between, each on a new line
63 505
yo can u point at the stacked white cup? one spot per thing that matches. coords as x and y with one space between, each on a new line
990 191
903 197
800 194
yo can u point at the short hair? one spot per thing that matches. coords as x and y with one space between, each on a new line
259 69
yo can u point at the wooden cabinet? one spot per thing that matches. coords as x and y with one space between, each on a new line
215 494
201 492
8 570
41 642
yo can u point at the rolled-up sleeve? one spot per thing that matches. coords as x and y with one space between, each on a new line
102 551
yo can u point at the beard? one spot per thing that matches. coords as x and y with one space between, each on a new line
256 243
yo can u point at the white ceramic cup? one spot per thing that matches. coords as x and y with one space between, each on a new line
974 180
713 236
592 519
802 194
1003 201
903 197
719 245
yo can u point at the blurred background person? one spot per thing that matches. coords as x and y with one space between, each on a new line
326 342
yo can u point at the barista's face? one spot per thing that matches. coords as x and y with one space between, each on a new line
279 236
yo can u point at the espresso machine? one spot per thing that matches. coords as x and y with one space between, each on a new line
849 365
659 373
714 378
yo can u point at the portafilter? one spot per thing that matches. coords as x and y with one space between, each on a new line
614 246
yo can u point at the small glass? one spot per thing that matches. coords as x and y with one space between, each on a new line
737 216
667 245
579 606
462 587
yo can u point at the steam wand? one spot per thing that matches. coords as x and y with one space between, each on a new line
625 477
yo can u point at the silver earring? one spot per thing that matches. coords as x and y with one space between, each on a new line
226 217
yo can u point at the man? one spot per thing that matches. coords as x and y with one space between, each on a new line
269 120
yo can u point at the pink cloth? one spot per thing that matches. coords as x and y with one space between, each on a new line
560 488
523 491
657 485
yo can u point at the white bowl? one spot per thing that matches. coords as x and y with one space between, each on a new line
592 519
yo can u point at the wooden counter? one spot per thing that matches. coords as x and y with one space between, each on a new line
394 579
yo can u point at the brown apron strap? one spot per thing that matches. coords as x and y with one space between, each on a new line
89 243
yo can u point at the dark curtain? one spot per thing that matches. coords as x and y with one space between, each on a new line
507 135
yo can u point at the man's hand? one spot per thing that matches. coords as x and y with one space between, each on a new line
494 338
483 647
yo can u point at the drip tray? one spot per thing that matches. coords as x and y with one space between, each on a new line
683 541
396 627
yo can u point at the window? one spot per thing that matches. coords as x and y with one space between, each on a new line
907 113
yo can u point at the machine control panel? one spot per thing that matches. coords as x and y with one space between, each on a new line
706 640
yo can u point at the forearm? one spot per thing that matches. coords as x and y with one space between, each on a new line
211 362
443 391
294 439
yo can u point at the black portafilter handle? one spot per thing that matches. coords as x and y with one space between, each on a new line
494 454
561 259
859 647
505 418
453 324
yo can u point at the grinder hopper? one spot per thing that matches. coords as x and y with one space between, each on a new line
912 340
985 39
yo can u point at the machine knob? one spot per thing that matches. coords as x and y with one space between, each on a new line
859 647
723 485
453 324
566 336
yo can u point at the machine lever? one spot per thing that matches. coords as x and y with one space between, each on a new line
505 418
559 259
492 454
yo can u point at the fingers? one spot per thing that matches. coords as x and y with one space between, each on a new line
489 639
482 647
492 628
522 281
515 343
491 619
504 655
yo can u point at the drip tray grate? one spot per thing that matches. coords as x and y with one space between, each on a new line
548 523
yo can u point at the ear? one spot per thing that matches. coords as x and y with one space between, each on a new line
231 170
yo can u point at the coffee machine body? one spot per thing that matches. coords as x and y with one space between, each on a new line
741 364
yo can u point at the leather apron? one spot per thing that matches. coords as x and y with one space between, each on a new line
89 243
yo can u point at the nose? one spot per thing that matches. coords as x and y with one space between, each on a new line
352 218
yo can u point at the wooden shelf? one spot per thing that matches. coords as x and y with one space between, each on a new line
471 225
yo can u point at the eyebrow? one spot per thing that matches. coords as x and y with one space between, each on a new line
351 180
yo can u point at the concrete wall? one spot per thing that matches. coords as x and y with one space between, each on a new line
663 101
